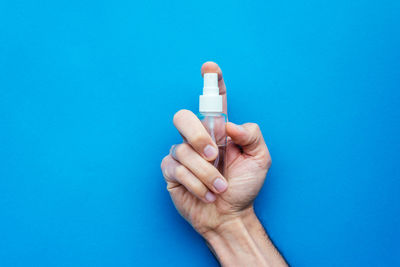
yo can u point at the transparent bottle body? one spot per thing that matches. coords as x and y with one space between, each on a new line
215 124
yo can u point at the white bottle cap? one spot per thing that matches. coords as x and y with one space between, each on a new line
210 101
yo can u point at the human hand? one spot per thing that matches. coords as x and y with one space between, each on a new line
220 207
202 195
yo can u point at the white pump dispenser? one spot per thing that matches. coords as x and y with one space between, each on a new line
210 101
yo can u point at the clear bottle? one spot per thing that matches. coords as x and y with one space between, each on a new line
212 116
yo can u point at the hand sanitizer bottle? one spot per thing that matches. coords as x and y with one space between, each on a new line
212 116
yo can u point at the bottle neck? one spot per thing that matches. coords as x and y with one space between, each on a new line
212 113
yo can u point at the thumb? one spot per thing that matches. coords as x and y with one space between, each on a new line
248 136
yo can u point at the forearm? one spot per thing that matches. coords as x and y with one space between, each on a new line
260 237
243 242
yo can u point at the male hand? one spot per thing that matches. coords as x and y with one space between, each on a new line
203 196
220 207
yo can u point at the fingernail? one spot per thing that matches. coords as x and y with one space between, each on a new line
172 151
210 151
210 197
220 185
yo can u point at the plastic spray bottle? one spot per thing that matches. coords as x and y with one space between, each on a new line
212 116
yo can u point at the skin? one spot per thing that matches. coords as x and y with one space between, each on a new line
220 207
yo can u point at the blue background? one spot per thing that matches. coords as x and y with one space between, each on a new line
87 94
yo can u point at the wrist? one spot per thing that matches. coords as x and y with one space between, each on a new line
246 217
226 222
232 242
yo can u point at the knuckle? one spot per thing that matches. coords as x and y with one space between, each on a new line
198 139
254 127
163 163
182 150
166 162
166 167
208 174
180 172
181 114
197 188
268 162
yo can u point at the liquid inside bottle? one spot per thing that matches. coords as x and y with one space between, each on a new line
215 125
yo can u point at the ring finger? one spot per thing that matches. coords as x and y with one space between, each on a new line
200 167
174 172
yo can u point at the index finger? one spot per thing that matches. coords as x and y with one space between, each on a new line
191 129
212 67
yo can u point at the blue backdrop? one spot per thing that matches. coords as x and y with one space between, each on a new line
87 94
